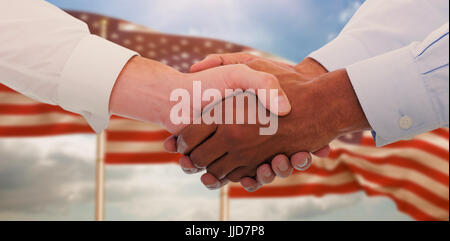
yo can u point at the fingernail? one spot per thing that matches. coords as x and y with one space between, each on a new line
304 165
181 145
189 170
283 104
250 189
267 173
213 186
283 166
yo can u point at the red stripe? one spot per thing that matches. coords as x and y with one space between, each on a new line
143 136
417 144
32 109
295 190
141 158
385 181
404 206
314 170
114 117
397 161
44 130
442 133
3 88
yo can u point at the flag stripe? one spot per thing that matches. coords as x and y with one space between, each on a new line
32 109
41 119
312 178
406 197
404 206
141 158
415 144
3 88
414 158
444 133
137 135
395 161
134 147
290 191
13 98
44 130
131 125
399 185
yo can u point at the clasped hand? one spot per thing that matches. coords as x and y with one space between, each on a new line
238 152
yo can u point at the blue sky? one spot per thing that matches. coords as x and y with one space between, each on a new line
289 28
53 178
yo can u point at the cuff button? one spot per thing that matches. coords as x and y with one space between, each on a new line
405 122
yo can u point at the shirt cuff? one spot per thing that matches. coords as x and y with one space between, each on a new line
341 52
88 78
393 95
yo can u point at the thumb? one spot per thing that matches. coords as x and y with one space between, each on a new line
215 60
210 61
242 77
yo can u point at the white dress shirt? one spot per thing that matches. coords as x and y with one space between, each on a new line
51 57
397 56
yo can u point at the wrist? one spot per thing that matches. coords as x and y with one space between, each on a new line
310 68
340 109
142 91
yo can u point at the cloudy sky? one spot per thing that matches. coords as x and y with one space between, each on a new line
53 178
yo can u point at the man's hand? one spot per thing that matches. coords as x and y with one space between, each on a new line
280 166
142 91
326 108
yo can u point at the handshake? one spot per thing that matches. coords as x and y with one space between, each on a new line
323 107
303 109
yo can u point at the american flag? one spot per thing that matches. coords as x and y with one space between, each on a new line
413 173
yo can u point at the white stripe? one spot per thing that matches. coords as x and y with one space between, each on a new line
9 98
134 147
40 119
132 125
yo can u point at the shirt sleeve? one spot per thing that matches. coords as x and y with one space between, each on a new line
380 26
405 92
51 57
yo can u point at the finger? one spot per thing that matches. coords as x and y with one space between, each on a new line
170 144
324 152
187 166
192 136
281 166
238 173
245 78
250 184
301 161
211 182
215 60
209 151
223 166
264 174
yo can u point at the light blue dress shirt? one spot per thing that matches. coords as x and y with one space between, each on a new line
397 56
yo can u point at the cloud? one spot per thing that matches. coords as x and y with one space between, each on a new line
33 182
348 12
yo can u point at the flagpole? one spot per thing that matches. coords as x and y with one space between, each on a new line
224 204
100 156
100 178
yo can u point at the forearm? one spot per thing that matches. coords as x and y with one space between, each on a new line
142 91
340 110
